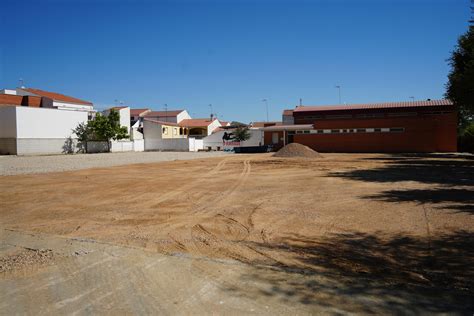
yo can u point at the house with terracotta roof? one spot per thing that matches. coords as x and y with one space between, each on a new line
415 126
200 127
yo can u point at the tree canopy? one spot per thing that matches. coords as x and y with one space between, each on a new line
101 128
460 86
241 134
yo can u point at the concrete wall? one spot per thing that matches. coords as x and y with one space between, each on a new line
8 122
26 130
47 123
176 144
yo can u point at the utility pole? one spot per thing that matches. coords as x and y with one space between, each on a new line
266 106
339 88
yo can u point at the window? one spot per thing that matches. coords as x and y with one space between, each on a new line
175 131
377 130
397 129
320 131
361 130
165 129
335 131
275 138
306 132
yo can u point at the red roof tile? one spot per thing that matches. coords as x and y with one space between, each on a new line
138 112
195 122
161 122
57 96
388 105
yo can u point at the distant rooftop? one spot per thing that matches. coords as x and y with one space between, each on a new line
388 105
56 96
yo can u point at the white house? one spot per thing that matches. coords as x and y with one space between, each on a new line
168 136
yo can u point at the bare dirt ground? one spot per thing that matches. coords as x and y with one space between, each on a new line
344 233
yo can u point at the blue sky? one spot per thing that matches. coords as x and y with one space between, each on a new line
231 54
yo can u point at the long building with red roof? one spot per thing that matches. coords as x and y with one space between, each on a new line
416 126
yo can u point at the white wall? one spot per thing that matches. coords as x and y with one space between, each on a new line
8 122
72 106
152 130
182 116
171 144
215 124
125 118
215 140
47 123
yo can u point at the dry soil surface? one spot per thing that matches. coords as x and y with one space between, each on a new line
243 234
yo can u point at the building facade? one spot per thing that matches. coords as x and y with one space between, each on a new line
419 126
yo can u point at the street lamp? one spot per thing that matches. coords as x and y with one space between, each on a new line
339 88
266 106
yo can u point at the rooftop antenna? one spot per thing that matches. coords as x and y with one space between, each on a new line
210 106
21 83
412 98
301 102
166 112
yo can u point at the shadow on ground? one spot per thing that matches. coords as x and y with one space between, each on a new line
446 172
430 169
365 273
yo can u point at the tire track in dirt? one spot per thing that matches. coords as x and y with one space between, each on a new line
202 239
189 185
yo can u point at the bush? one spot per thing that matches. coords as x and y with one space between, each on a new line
466 139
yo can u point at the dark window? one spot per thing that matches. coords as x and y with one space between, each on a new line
397 130
335 131
361 130
377 129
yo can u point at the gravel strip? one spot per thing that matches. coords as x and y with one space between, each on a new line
13 165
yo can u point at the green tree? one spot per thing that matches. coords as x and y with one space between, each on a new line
82 131
460 86
241 134
102 128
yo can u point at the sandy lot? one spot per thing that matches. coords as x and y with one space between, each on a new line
343 233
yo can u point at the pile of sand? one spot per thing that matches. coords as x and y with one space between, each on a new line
296 150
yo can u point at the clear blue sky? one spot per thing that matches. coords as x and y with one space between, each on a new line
232 54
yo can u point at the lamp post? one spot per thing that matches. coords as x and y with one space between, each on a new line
266 106
339 88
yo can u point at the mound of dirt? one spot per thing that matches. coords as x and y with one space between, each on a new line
296 150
